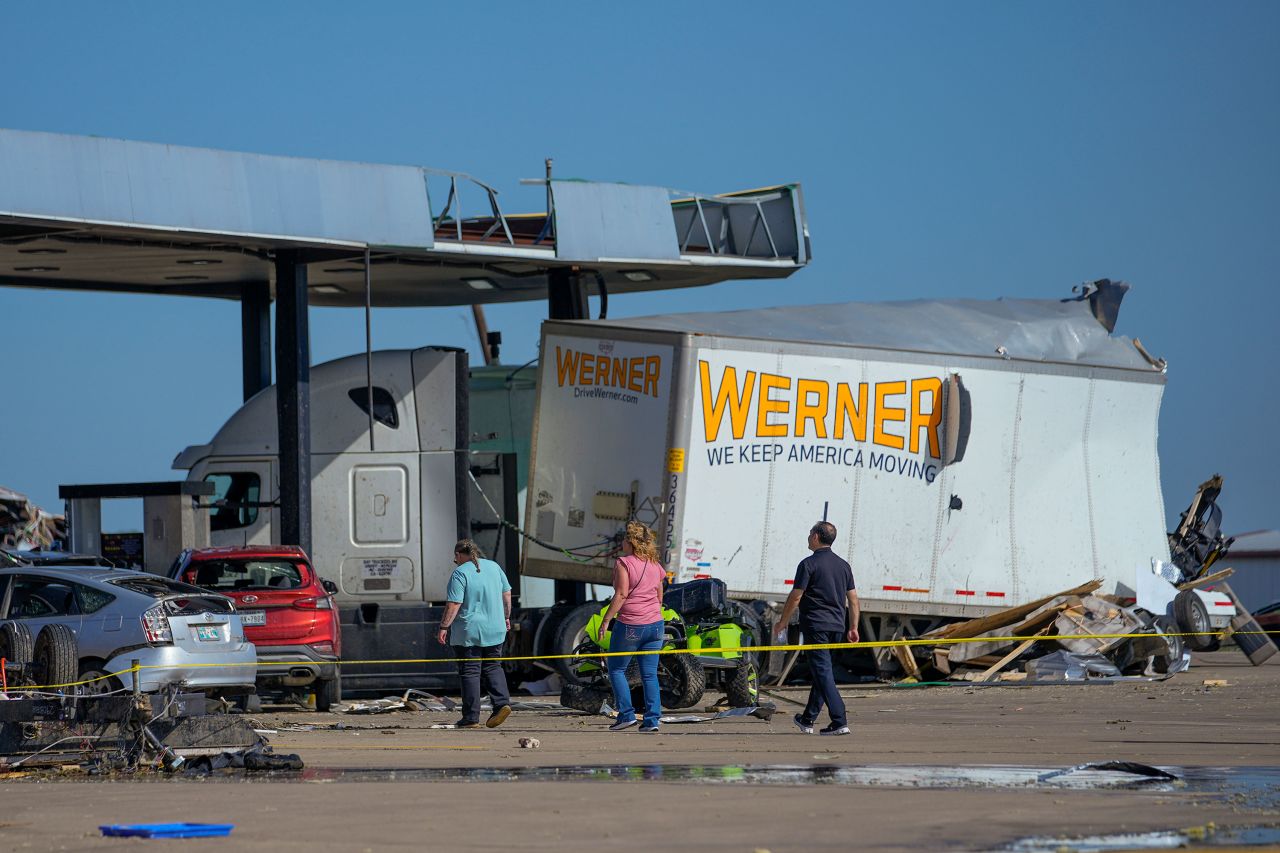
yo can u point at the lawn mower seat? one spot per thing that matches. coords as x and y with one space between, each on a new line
705 597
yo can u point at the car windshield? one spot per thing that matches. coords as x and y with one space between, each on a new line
237 575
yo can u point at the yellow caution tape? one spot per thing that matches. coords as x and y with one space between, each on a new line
708 651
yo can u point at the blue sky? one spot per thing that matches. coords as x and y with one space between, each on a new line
945 149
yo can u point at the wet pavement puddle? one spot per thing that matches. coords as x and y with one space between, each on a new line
1209 837
1255 787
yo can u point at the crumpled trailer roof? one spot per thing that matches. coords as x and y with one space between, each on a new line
1075 331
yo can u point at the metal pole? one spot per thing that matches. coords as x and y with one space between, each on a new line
551 222
482 331
293 398
368 342
255 336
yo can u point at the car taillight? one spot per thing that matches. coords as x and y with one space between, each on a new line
319 603
324 648
155 625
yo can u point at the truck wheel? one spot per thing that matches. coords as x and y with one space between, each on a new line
569 634
1193 619
56 657
328 692
681 682
744 688
15 644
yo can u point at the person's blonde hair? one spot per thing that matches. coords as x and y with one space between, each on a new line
642 541
471 550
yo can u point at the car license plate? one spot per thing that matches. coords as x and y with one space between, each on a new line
208 633
253 617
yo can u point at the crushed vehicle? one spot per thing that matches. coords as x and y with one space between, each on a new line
60 625
287 611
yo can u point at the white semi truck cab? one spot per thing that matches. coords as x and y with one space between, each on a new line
387 506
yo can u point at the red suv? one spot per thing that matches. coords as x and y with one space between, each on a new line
287 611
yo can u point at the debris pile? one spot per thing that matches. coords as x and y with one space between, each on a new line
1072 636
25 526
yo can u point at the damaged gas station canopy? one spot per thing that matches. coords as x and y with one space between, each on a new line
90 213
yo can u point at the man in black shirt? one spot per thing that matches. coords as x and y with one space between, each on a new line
828 603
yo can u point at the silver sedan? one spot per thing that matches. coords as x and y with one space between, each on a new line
179 634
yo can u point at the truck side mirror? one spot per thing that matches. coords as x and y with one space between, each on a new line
329 586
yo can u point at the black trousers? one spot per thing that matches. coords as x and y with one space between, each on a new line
822 679
476 664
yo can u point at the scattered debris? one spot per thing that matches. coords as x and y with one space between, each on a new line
1216 682
529 743
760 712
24 526
1072 636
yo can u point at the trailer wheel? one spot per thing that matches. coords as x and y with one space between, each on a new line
569 635
1173 641
681 682
1193 619
56 657
15 643
328 692
744 688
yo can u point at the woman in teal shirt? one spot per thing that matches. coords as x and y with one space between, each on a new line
476 620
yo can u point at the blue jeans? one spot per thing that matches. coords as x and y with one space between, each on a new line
823 679
635 638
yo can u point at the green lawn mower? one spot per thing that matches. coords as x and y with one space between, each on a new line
700 621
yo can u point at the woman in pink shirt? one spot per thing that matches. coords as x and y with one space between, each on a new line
637 608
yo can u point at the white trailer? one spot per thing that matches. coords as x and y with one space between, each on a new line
972 455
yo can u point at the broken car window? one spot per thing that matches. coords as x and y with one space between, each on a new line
384 405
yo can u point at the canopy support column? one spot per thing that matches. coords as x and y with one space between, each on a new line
567 300
566 295
293 398
255 336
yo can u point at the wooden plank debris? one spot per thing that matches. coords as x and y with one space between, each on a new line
1007 659
1008 616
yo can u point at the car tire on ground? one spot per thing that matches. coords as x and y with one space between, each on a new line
569 634
56 657
15 643
1192 618
744 688
681 682
328 692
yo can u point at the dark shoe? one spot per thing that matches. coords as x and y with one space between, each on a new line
498 717
833 729
806 728
467 724
649 729
623 725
